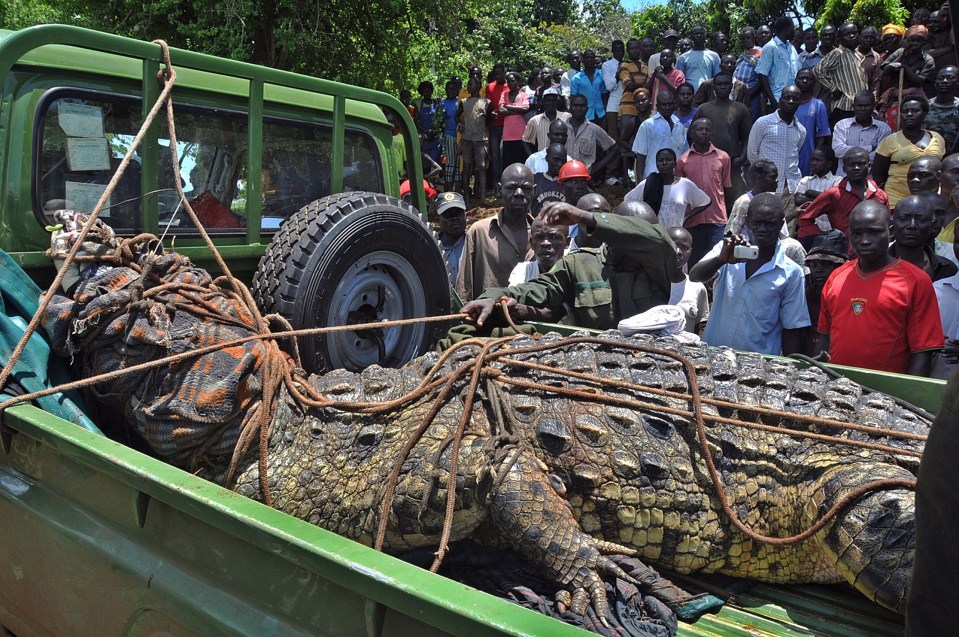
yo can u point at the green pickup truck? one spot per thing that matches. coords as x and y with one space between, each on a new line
99 539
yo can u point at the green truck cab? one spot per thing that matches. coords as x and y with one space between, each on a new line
257 140
97 538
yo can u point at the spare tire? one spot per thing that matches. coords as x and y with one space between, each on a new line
356 257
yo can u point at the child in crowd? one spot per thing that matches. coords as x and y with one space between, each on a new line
449 108
548 244
473 114
689 296
838 201
685 110
665 76
822 177
814 117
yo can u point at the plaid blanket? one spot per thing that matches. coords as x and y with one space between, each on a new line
188 412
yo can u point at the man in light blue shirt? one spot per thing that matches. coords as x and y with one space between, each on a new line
811 54
589 82
779 62
699 63
759 304
662 130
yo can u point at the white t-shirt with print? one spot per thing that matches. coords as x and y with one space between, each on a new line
678 198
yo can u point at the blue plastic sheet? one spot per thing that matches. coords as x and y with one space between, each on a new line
37 368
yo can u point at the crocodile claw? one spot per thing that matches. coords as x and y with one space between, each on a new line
535 519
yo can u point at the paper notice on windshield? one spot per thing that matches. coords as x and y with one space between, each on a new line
84 197
88 153
80 120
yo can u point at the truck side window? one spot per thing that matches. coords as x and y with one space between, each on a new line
84 138
297 167
361 170
211 151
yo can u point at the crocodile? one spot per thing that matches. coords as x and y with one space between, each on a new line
587 478
569 451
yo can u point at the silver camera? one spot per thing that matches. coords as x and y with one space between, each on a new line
745 252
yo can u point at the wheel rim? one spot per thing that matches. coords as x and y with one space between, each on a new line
380 286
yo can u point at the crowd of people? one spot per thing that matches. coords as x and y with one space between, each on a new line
797 196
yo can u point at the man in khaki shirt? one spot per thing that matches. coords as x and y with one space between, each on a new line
495 245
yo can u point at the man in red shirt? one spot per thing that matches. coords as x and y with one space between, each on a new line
879 312
709 168
837 202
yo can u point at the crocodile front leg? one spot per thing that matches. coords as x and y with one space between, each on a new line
535 520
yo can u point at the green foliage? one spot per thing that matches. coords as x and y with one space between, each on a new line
18 14
393 44
879 13
862 12
681 15
553 12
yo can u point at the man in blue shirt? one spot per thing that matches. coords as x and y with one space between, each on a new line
779 62
811 54
759 304
589 82
662 130
699 63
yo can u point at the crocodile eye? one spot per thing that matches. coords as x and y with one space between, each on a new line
554 435
658 426
369 436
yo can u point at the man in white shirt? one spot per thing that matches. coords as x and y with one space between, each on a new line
947 294
558 134
575 61
662 130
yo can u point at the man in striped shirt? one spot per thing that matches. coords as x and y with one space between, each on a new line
841 74
778 137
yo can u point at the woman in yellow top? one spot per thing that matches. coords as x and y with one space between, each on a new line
896 152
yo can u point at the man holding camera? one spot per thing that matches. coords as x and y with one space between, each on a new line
759 301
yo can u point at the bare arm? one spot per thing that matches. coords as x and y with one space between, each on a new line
706 268
768 90
880 169
823 353
920 363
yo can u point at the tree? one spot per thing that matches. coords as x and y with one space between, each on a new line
393 44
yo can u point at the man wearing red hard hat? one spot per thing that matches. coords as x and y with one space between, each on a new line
405 190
